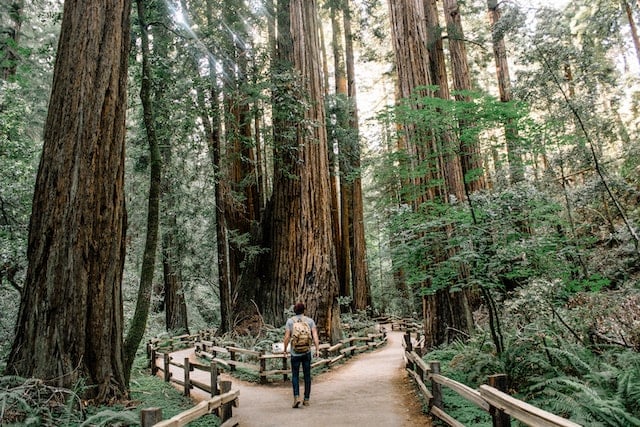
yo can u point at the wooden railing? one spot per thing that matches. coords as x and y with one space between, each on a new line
267 365
221 405
490 398
222 397
230 358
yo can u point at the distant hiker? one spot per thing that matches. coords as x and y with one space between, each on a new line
300 330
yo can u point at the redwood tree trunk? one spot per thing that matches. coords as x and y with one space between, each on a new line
70 322
516 167
470 154
303 258
243 201
174 302
338 190
358 253
633 27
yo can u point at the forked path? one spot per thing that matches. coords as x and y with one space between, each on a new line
371 389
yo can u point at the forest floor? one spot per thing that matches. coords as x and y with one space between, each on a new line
371 389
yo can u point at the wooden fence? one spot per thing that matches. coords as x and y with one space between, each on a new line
222 397
490 398
230 358
221 405
266 365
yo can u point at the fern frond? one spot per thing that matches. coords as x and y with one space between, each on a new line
110 417
573 362
629 390
585 399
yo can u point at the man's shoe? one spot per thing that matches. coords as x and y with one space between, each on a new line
296 402
305 403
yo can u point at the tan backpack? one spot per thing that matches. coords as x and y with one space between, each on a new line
301 335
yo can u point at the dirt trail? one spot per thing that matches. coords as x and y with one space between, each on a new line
371 389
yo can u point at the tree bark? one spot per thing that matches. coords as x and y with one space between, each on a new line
243 201
175 305
514 155
470 154
339 192
70 322
448 147
303 257
358 253
143 302
633 28
212 123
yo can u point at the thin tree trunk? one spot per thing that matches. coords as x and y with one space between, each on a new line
143 302
358 254
212 125
470 154
448 150
70 322
174 301
632 27
341 223
514 155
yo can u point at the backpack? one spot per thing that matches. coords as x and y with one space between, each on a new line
301 336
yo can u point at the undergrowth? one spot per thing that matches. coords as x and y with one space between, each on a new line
30 402
591 379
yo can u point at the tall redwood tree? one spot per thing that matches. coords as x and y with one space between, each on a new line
302 260
70 322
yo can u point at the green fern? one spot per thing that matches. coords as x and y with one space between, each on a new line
110 417
575 399
629 385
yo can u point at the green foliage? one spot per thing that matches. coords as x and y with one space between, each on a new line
593 283
150 392
110 417
454 363
553 360
31 402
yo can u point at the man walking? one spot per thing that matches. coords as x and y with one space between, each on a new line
300 330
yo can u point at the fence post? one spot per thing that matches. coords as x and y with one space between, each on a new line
225 410
187 377
213 369
167 369
417 367
499 417
407 342
152 362
150 416
436 389
408 348
263 367
232 356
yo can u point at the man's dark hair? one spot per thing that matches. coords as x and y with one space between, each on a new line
298 308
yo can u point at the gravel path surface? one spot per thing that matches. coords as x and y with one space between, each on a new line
370 389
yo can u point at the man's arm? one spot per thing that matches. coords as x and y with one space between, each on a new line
287 337
316 340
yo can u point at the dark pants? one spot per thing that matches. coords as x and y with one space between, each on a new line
305 361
